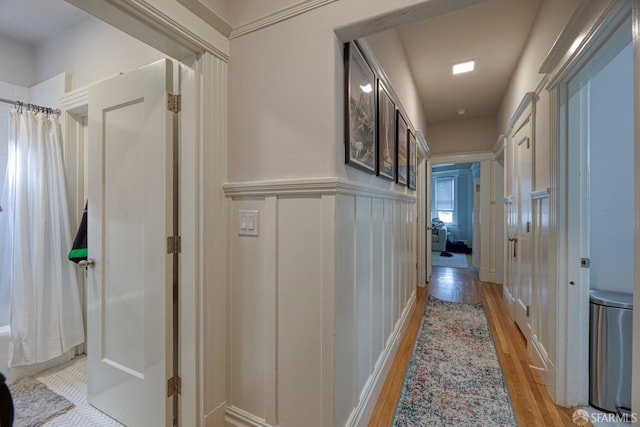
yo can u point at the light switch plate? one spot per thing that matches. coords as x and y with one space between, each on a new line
248 221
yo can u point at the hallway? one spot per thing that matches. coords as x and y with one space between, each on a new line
531 402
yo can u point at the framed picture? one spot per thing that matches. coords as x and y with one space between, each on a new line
413 160
386 134
402 142
360 111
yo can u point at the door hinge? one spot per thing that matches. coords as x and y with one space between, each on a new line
527 311
528 227
174 245
174 102
585 262
174 386
528 143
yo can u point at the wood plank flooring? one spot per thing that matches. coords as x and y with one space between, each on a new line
531 402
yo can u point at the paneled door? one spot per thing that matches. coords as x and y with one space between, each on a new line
130 217
521 243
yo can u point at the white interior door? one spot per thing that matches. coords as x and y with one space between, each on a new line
130 216
522 243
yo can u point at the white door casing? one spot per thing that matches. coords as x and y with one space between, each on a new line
130 216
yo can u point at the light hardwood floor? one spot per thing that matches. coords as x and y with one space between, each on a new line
531 402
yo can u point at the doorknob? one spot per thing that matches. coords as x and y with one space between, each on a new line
90 262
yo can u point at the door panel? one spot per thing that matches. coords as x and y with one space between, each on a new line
522 243
130 215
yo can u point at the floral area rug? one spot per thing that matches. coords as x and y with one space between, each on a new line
454 376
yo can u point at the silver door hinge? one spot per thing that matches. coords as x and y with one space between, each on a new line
174 386
585 262
174 102
174 245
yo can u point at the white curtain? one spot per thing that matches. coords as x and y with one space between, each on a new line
45 314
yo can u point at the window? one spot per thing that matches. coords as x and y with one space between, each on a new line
445 199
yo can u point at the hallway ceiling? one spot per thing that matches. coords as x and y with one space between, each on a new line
492 33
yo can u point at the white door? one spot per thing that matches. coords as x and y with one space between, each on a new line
522 244
130 216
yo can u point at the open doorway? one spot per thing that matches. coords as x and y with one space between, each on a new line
55 68
455 209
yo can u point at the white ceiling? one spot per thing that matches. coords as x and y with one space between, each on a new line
493 33
34 21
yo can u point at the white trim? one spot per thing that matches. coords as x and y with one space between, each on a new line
498 147
635 379
422 142
308 187
237 417
76 101
577 37
165 29
208 15
528 100
479 156
277 17
593 22
540 194
362 412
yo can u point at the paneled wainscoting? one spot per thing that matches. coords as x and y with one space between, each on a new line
318 299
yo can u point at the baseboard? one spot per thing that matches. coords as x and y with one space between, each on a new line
239 418
215 418
362 412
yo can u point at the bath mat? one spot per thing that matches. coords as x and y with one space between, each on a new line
456 260
35 404
454 376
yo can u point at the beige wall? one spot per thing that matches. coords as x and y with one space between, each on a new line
552 17
90 51
391 56
462 136
16 62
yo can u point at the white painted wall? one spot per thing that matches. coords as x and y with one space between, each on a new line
17 60
462 136
91 51
611 209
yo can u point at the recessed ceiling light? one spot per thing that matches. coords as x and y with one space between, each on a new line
462 112
464 67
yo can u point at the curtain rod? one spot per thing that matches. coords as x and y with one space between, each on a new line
39 108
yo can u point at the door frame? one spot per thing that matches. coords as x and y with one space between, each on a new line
591 23
490 262
177 32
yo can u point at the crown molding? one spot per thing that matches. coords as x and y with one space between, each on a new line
278 16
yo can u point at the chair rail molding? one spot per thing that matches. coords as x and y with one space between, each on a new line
309 187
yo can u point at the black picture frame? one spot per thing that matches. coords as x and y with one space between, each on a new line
386 134
402 148
360 111
413 160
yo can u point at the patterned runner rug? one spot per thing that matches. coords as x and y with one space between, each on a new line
454 376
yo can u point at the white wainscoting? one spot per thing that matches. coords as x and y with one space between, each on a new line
543 343
317 302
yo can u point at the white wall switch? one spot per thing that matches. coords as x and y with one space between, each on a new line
249 220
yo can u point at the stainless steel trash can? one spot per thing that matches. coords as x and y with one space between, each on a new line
610 324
